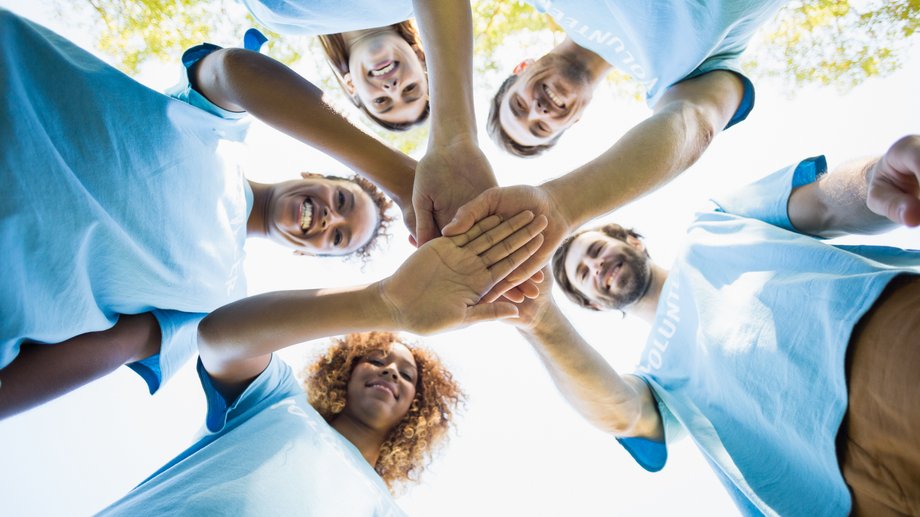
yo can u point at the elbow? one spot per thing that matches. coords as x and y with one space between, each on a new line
698 127
209 339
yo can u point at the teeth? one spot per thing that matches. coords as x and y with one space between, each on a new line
383 71
553 97
306 215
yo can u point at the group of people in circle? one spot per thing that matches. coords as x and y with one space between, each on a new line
788 360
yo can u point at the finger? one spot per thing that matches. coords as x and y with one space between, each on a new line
427 228
511 243
514 295
892 202
529 289
497 233
538 277
466 217
490 311
502 268
413 242
478 229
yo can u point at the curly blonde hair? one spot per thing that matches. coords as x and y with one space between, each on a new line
410 446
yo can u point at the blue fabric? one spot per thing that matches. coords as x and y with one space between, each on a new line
116 197
314 17
747 349
266 453
660 43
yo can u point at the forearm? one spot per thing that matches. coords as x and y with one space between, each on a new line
613 403
260 325
446 27
241 80
645 158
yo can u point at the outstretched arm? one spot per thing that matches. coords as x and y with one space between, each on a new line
862 196
242 80
649 155
453 170
618 404
437 288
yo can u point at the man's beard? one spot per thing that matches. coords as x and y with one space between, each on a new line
638 276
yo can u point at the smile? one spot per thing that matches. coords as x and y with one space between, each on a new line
306 215
559 103
382 386
611 275
388 67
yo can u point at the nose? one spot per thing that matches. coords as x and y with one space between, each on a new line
540 108
329 218
388 372
390 83
595 265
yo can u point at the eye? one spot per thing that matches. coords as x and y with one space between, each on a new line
406 376
337 238
375 362
340 200
380 100
410 88
520 104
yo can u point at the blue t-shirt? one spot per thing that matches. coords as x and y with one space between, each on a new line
117 199
662 43
266 453
748 346
314 17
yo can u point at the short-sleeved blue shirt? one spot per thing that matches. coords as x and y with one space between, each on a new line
314 17
266 453
747 350
663 43
117 199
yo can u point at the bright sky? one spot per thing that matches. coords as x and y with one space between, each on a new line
520 449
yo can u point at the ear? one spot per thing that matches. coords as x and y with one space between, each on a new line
308 175
521 66
349 85
635 243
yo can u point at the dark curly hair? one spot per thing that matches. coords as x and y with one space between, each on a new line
613 231
502 139
410 446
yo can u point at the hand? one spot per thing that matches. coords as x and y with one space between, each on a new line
440 285
531 311
894 183
506 201
446 178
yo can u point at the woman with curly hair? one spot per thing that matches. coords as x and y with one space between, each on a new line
375 408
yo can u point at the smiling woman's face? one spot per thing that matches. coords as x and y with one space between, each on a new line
382 387
321 216
388 77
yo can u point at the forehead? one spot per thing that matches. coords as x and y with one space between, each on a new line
578 249
363 219
517 128
397 351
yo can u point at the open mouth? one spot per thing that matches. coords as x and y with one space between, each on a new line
612 274
555 99
384 69
306 215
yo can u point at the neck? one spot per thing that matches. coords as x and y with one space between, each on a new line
596 65
368 440
257 224
646 306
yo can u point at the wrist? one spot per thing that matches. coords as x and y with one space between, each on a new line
379 308
568 213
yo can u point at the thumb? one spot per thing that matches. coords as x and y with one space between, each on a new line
426 228
490 311
891 202
468 214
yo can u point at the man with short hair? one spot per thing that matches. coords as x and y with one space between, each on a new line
792 363
685 54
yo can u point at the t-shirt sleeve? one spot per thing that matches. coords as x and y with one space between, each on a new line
184 91
768 198
650 454
731 64
276 382
179 342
